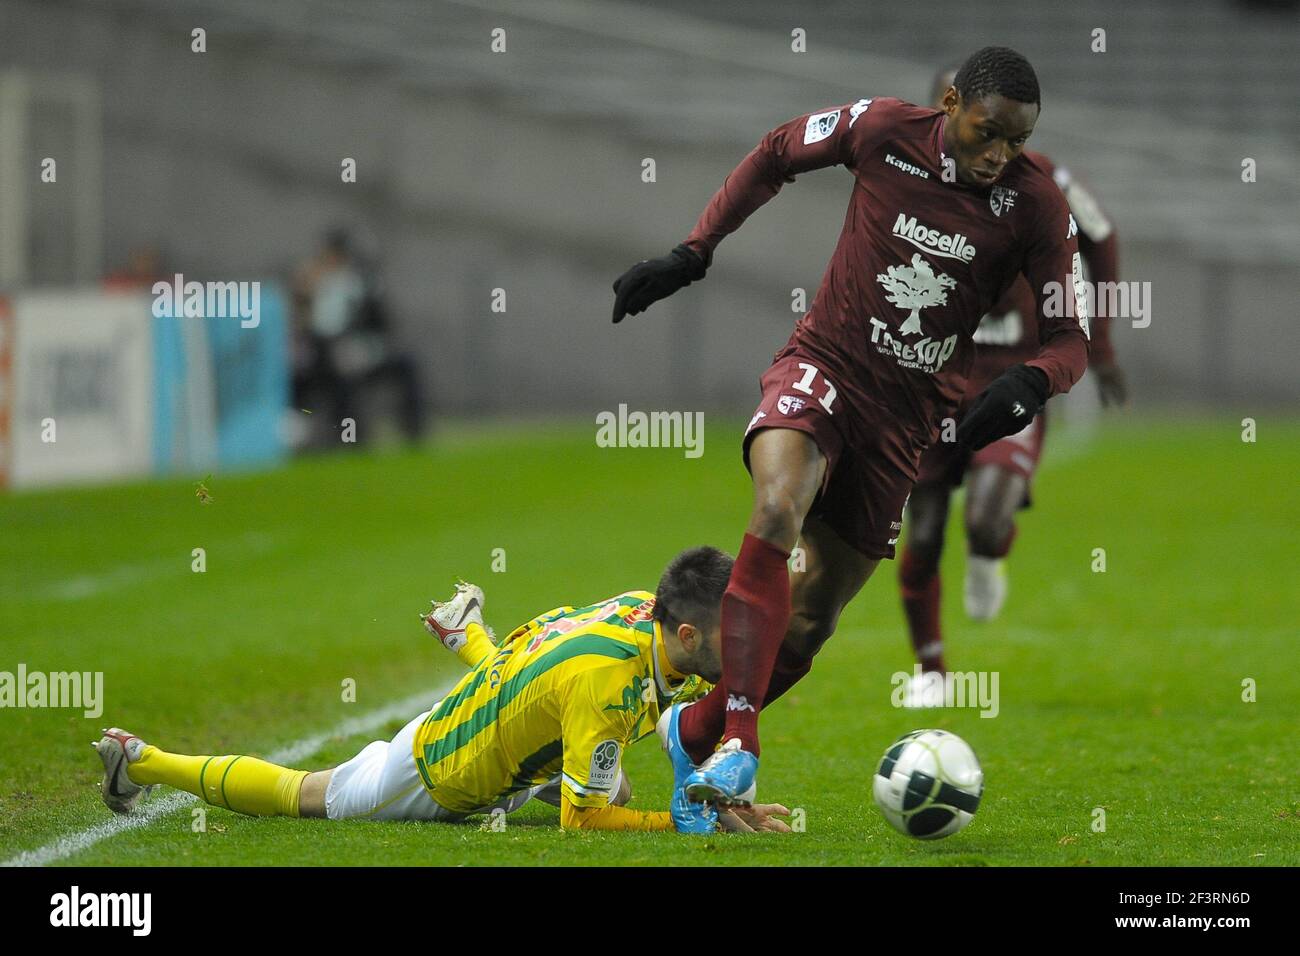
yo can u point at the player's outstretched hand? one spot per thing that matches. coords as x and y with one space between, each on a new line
1004 408
758 818
1111 387
653 279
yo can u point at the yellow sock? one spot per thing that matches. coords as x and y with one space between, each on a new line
477 647
243 784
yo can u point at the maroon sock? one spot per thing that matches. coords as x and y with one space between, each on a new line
755 615
919 580
701 725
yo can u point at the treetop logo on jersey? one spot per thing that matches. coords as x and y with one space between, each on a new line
949 245
856 110
1002 199
893 160
927 355
915 287
789 404
819 126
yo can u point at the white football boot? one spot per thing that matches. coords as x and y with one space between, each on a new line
986 587
923 691
116 749
447 620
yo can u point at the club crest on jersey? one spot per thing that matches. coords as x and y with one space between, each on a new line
1002 199
789 404
914 288
819 126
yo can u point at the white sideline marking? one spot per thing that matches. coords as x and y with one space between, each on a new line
150 810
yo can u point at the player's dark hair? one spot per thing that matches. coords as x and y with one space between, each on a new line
690 590
997 70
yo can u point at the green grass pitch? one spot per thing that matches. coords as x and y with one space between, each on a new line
1121 690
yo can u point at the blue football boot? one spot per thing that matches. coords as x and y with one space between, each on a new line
688 816
668 729
726 777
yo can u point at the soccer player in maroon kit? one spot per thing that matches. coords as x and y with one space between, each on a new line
997 476
945 213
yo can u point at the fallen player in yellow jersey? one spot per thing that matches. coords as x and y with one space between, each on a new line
545 715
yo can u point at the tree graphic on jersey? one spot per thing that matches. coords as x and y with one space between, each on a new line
915 287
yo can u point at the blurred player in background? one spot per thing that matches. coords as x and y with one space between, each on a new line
997 476
345 353
945 212
546 715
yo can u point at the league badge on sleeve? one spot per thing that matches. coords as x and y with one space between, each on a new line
819 126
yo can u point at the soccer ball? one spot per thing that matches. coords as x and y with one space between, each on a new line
928 784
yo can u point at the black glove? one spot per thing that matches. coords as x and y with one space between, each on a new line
1009 404
653 279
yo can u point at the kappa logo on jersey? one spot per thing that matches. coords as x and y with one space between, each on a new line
1002 199
949 245
819 126
856 110
789 404
1073 229
893 160
739 702
758 416
915 287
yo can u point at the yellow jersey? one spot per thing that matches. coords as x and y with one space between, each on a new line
565 693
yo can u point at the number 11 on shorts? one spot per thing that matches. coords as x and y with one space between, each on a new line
805 385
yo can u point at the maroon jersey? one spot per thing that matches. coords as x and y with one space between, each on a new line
919 260
1008 333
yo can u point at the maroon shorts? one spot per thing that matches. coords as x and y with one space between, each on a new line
870 466
1018 453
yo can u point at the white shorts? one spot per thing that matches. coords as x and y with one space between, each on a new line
383 783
